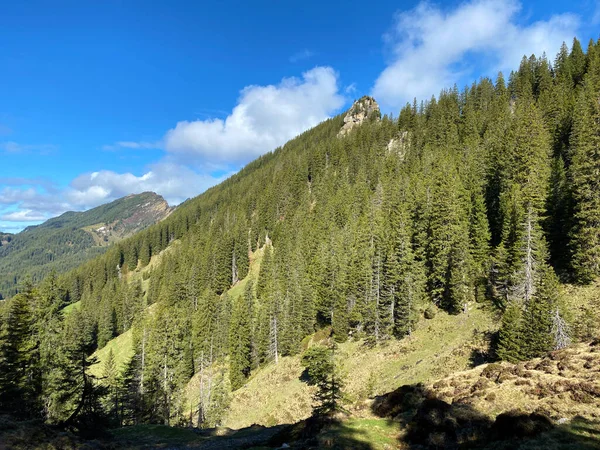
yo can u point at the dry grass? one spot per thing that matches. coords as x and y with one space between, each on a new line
275 395
255 261
583 304
565 384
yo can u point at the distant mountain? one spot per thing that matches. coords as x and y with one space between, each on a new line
66 241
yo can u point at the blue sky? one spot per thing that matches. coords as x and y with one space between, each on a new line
103 99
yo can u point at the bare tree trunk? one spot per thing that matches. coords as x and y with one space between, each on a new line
377 295
143 361
165 388
560 330
201 399
234 270
529 287
274 341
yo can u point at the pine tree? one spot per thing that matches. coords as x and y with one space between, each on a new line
111 379
17 359
586 184
538 318
240 339
322 371
75 396
510 340
479 240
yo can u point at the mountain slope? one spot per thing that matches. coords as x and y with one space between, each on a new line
64 242
419 245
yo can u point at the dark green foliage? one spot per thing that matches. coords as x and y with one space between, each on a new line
240 339
18 358
480 194
61 243
584 172
321 370
73 393
510 346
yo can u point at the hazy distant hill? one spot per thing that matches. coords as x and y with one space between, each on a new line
63 242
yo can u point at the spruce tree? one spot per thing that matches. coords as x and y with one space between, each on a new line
240 339
510 340
17 359
584 169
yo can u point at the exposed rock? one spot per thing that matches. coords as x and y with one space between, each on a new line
399 144
365 108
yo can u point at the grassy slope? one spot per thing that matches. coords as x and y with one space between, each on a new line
193 387
240 286
438 349
274 394
122 345
564 384
122 348
69 308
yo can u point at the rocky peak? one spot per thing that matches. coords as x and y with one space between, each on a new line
363 109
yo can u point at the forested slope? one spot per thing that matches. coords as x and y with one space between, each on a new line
489 194
67 241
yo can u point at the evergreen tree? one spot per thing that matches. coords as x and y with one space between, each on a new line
510 340
240 339
586 190
322 371
75 395
17 359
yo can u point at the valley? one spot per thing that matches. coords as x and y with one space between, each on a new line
422 281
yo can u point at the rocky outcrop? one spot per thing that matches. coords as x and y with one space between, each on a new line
399 144
365 108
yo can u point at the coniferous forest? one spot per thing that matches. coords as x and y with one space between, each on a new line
487 194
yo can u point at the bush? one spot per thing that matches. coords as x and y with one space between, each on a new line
430 312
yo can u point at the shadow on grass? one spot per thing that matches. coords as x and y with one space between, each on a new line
431 423
321 432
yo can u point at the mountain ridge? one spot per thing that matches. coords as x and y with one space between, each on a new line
74 237
370 263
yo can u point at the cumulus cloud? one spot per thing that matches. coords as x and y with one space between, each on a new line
264 118
173 181
25 215
200 153
35 200
432 49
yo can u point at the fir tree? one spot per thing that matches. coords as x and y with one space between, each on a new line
17 358
586 189
240 339
510 340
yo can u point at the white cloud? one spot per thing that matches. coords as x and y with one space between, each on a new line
35 201
132 145
432 49
264 118
212 150
25 215
14 147
301 55
173 181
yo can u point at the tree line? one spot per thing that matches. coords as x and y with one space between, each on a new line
488 194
